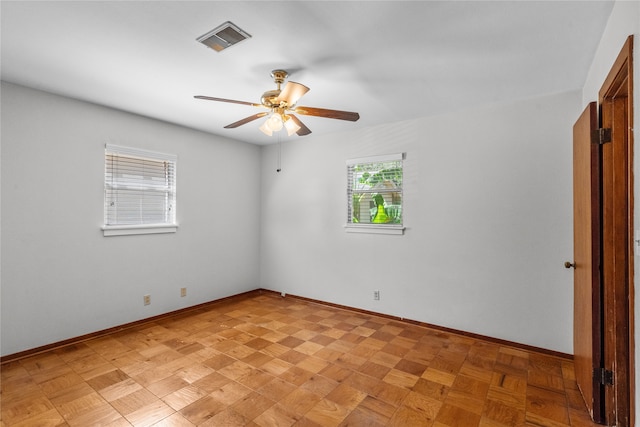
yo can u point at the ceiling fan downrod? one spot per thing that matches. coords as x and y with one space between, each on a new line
279 76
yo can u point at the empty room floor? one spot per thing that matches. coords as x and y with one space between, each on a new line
263 360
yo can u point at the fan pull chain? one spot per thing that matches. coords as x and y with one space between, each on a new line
279 153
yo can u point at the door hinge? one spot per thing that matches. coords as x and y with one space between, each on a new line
601 136
603 376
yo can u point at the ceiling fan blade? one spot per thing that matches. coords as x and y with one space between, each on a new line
330 114
246 120
303 129
233 101
292 92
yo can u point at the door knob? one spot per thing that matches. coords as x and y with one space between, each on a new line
567 264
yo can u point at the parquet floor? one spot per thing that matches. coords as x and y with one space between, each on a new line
271 361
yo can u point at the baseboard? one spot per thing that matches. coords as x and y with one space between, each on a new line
435 327
31 352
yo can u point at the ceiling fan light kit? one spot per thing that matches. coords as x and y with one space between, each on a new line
265 129
276 122
282 105
291 126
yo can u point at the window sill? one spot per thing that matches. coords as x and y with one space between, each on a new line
128 230
374 229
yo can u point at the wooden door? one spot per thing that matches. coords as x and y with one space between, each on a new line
616 107
587 342
603 249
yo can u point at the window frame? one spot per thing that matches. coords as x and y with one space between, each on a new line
373 228
141 228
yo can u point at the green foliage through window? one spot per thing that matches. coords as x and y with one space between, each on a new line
375 192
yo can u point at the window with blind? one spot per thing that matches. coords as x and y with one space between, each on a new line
374 194
139 191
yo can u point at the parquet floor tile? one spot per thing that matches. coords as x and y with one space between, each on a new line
262 361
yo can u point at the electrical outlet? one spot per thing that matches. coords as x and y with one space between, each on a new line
376 295
183 292
147 299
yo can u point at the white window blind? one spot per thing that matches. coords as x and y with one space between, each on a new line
374 194
139 188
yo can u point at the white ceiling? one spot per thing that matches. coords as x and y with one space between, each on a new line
387 60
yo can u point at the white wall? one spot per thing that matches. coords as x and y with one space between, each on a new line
624 21
60 277
488 210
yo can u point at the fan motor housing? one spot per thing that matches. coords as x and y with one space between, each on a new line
270 98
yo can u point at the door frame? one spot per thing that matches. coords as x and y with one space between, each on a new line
616 112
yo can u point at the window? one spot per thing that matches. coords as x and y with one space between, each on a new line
139 191
374 194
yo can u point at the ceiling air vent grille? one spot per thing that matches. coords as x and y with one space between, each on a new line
224 36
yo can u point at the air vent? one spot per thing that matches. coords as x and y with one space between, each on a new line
224 36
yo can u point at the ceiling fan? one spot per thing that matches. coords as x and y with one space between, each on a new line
281 105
